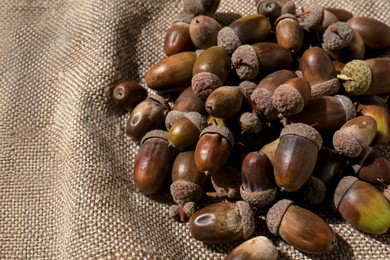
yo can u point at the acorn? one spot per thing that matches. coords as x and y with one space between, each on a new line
372 166
341 14
325 112
300 228
317 68
289 34
374 32
226 183
224 102
269 149
312 17
187 185
213 149
258 184
172 117
296 141
262 94
222 222
366 77
291 97
153 162
260 248
248 29
200 7
328 19
177 38
210 71
188 101
362 205
171 74
203 31
261 58
377 108
272 9
354 135
128 94
146 116
184 133
343 43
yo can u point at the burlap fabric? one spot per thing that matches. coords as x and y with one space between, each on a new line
66 189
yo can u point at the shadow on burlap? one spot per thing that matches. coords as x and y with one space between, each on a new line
66 165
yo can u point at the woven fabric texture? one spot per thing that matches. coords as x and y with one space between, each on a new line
66 189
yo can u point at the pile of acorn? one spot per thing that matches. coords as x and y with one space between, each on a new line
280 109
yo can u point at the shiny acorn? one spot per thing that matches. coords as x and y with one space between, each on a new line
224 102
289 34
269 149
177 38
222 222
153 162
245 30
128 94
257 248
296 141
362 205
342 15
213 149
188 101
300 228
146 116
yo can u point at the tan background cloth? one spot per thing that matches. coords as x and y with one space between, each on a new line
66 188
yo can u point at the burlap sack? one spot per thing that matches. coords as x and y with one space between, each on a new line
66 189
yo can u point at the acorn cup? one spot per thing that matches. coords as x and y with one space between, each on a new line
210 71
262 94
213 149
245 30
153 162
260 248
187 185
184 133
354 136
258 184
297 141
222 222
317 68
146 116
311 18
300 228
289 34
260 58
366 77
203 31
171 74
362 205
128 94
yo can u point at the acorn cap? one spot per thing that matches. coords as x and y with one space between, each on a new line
204 83
326 88
346 143
245 62
221 130
197 119
250 123
185 191
289 7
275 215
228 38
157 133
312 17
284 16
172 117
259 199
247 87
161 100
337 36
356 76
287 100
247 218
342 188
349 108
262 98
303 130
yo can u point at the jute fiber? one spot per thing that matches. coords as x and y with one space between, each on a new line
66 189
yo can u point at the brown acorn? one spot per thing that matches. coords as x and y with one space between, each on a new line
222 222
224 102
296 141
317 68
258 184
187 185
261 58
171 74
328 167
325 112
210 71
226 183
203 31
354 135
272 9
260 248
213 149
362 205
200 7
188 101
341 14
374 32
177 37
248 29
289 34
146 116
269 149
300 227
128 94
153 162
262 95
